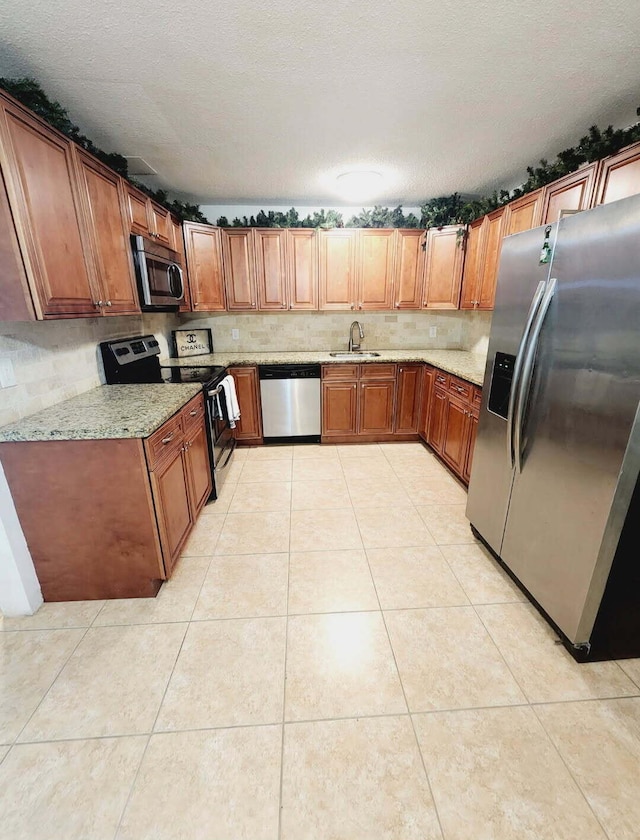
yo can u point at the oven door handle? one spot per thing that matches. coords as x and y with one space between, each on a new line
215 391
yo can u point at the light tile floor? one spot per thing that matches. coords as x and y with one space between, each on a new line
335 658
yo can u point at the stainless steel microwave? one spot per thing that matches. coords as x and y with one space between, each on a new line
159 275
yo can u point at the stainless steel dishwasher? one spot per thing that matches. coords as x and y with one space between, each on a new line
290 397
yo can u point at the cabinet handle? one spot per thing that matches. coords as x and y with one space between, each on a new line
252 303
353 306
168 439
98 303
194 412
109 303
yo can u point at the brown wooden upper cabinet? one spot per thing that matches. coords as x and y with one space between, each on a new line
619 175
271 268
337 268
374 275
482 253
239 269
524 213
443 272
148 218
409 268
302 268
573 192
205 272
105 207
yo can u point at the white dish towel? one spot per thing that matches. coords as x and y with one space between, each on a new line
231 398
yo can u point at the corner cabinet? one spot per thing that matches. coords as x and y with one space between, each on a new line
482 253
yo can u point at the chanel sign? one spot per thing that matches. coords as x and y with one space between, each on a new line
192 342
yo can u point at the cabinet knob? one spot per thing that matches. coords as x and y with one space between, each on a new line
353 306
252 303
109 303
283 306
424 302
397 305
98 303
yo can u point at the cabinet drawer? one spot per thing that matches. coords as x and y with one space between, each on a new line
477 397
193 412
441 378
377 371
461 388
164 442
340 372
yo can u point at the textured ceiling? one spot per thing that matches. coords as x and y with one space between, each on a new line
268 100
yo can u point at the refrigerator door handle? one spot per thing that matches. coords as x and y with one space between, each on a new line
517 367
527 371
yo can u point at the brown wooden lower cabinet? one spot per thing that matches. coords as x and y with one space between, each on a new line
376 404
425 403
437 419
108 518
408 399
455 441
472 433
339 408
249 428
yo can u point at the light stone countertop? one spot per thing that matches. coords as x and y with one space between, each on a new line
462 363
110 411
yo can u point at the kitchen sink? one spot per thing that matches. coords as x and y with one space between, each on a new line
355 354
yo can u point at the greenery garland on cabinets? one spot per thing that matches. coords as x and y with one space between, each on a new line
29 93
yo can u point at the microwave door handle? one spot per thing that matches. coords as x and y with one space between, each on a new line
527 371
171 267
517 367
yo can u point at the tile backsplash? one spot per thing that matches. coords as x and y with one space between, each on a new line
54 360
327 331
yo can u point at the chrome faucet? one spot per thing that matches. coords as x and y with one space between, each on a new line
352 344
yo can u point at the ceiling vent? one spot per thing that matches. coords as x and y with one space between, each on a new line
139 166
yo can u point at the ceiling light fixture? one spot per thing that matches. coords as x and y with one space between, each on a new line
359 185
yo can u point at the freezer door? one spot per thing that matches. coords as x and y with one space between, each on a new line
521 279
577 411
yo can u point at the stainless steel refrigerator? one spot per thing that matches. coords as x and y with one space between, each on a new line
554 488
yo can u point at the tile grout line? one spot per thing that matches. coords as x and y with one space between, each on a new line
284 676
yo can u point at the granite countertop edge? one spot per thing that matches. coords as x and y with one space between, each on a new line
104 413
463 363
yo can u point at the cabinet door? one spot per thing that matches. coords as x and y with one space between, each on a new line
472 433
199 466
337 268
105 209
573 192
204 263
427 399
409 269
15 299
302 268
375 269
443 274
138 206
271 268
170 483
472 263
376 402
339 408
160 223
249 427
437 419
456 434
524 213
239 269
409 393
45 202
619 175
492 235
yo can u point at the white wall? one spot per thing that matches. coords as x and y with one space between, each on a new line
214 211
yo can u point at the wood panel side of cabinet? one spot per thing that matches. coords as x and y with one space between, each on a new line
491 247
205 267
337 261
472 270
408 398
249 427
302 268
375 265
339 408
106 220
619 176
443 273
271 268
437 418
427 400
239 269
93 533
573 192
16 303
408 283
524 213
376 407
45 202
